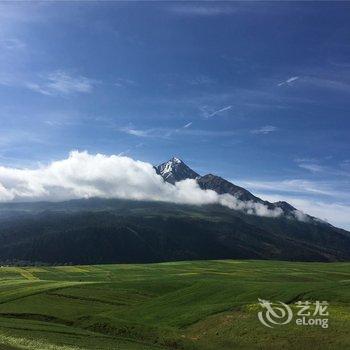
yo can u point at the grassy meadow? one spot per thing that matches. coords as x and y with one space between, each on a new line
209 305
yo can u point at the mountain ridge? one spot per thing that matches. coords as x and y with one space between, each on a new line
96 230
100 230
175 170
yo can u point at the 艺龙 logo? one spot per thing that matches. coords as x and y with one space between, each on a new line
274 313
308 313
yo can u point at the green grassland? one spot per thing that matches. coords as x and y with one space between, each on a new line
180 305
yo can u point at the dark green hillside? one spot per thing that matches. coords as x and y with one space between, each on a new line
194 305
116 231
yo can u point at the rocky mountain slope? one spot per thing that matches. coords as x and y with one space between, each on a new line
176 170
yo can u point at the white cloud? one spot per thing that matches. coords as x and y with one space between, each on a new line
208 114
136 132
288 81
83 175
224 109
64 83
54 83
335 84
264 130
335 213
326 200
38 88
187 125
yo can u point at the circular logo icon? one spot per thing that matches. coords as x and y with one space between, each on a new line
274 313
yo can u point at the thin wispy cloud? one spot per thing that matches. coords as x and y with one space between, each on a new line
187 125
217 112
160 133
53 84
209 133
289 81
130 149
62 82
345 164
137 132
12 44
264 130
330 84
306 160
315 167
41 89
11 13
124 153
123 82
53 123
201 80
201 10
12 138
292 186
166 133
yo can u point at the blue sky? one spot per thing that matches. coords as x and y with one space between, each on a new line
257 92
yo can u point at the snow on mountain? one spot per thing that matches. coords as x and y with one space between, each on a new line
175 170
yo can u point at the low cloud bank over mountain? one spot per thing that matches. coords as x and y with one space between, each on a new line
84 175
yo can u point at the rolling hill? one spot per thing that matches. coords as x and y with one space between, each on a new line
198 305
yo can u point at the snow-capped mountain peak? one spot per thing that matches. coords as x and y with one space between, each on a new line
171 165
175 160
175 170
